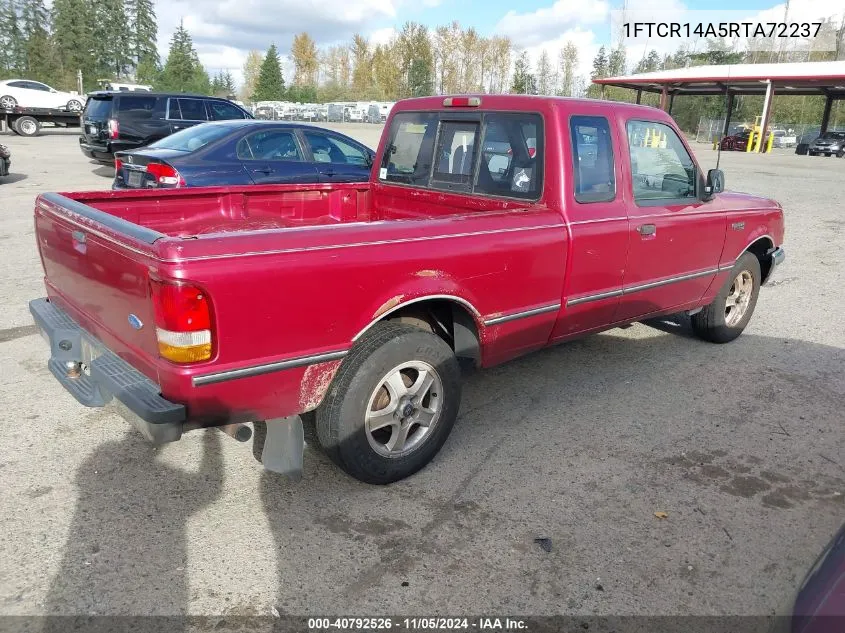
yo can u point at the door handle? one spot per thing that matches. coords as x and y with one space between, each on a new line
647 229
329 172
263 170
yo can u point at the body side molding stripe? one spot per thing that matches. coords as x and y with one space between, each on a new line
258 370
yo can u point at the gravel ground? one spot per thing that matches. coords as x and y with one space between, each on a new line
742 445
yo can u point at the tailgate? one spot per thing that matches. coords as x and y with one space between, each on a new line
97 270
95 119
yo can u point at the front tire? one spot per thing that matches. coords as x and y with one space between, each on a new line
728 315
74 106
392 404
7 102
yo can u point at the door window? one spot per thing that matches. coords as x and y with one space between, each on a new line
222 111
661 167
269 145
330 149
191 110
593 170
38 86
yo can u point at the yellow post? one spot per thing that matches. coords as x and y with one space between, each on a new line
715 141
663 141
750 141
647 141
655 138
769 143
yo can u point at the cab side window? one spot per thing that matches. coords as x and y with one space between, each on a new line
593 168
661 167
511 162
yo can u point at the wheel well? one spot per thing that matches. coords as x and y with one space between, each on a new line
450 320
760 250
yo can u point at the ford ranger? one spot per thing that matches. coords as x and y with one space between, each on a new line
491 226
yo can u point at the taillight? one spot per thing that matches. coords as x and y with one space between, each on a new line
114 129
183 321
118 164
165 175
461 102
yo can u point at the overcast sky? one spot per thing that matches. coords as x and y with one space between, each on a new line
225 30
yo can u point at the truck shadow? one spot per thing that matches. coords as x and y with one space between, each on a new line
142 564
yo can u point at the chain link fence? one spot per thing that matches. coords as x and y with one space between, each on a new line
710 129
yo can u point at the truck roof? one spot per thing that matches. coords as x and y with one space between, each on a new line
525 102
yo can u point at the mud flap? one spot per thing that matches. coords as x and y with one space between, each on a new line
279 444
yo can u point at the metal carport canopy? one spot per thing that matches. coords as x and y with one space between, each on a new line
826 79
798 78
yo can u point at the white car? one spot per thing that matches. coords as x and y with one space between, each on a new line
34 94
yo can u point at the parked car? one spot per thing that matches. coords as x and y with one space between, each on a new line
335 113
818 605
736 142
226 305
266 113
828 144
5 160
784 138
119 121
242 153
34 94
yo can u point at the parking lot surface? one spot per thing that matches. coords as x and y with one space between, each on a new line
741 445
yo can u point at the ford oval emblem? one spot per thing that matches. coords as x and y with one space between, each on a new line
135 322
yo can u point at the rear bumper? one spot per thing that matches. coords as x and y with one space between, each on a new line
107 377
105 152
4 166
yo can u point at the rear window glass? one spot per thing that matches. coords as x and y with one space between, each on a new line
455 153
193 138
410 149
511 157
98 108
126 103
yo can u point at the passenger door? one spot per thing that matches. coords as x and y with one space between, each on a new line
596 211
274 157
676 239
336 159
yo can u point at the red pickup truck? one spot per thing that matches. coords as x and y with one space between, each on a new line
491 226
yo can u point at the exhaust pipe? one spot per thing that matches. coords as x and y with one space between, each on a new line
241 432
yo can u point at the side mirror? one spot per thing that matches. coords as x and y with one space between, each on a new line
715 183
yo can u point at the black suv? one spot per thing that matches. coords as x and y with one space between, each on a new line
117 121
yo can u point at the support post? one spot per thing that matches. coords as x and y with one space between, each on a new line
828 102
671 102
639 96
767 112
729 107
664 95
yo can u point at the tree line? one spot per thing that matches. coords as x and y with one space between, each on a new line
116 39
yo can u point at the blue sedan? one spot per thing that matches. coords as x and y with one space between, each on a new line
244 152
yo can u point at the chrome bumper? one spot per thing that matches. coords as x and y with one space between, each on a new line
777 256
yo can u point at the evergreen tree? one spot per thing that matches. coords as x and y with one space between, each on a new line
144 37
420 78
599 64
12 40
270 85
40 59
183 71
112 39
74 39
523 80
229 83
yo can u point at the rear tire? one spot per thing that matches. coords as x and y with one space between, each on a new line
392 404
728 315
27 126
74 106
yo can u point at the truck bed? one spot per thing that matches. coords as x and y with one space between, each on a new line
193 212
